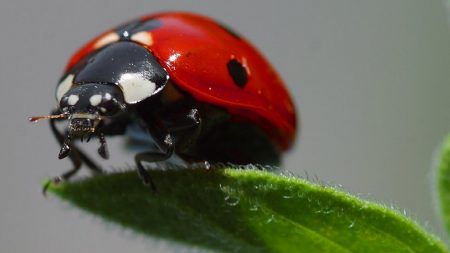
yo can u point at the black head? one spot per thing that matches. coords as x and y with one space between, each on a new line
87 105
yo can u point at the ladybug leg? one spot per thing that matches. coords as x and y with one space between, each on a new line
103 150
75 155
151 157
187 125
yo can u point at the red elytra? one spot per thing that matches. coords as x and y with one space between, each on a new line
195 51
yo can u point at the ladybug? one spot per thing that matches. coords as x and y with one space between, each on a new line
198 89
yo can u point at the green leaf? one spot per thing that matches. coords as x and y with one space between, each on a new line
443 182
233 210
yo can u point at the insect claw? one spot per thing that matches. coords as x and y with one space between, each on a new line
65 149
64 152
45 187
47 184
103 150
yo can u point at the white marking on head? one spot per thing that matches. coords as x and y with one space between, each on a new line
83 115
136 88
95 100
106 39
143 38
107 96
73 99
64 86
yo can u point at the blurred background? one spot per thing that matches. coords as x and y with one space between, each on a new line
369 78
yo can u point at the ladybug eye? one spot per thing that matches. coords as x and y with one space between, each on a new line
64 86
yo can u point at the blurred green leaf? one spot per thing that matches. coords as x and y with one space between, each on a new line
232 210
443 182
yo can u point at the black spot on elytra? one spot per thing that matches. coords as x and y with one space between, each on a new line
126 30
237 72
148 25
230 31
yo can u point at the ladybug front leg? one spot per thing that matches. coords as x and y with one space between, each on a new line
76 155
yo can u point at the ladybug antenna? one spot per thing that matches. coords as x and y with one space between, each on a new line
57 116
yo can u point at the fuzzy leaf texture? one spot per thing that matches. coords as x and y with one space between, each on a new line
443 182
235 210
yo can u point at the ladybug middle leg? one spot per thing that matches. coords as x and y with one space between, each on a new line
164 142
151 157
167 136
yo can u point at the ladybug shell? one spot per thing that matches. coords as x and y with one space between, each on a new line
217 66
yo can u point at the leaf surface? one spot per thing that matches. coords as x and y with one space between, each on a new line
235 210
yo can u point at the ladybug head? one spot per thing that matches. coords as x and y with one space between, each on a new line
87 105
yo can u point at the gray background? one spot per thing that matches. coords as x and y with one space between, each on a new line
370 79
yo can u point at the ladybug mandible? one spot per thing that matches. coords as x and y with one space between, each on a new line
197 88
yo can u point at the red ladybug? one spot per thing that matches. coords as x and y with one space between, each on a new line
197 88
